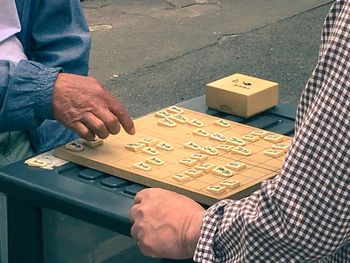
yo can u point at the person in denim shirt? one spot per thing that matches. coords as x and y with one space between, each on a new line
48 83
44 51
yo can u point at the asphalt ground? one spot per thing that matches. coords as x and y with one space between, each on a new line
156 54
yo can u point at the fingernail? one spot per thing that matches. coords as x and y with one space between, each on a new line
132 131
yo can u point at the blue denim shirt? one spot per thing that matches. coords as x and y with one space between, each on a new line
55 38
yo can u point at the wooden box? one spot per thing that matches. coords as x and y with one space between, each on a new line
241 95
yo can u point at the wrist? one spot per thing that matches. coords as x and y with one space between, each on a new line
192 232
46 80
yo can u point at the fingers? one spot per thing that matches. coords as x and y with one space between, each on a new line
78 99
95 125
134 232
90 125
111 116
112 125
102 122
135 216
137 231
148 251
138 197
135 211
137 234
118 109
82 131
127 123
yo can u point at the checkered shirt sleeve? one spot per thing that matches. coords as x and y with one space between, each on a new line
303 214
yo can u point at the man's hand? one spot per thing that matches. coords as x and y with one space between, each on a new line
83 105
165 224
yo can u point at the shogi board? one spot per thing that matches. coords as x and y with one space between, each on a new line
113 158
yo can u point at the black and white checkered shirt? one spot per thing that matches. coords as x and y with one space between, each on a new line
304 213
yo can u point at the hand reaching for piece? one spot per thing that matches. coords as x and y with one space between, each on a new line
83 105
165 224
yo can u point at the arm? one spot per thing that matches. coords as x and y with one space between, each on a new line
25 92
25 86
81 104
24 89
56 37
60 42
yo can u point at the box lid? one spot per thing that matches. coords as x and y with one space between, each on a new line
242 84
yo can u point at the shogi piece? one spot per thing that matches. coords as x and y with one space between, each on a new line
216 189
236 166
205 167
241 95
189 162
94 143
181 177
232 184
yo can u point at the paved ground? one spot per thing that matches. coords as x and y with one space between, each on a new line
154 53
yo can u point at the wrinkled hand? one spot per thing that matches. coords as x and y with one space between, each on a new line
165 224
83 105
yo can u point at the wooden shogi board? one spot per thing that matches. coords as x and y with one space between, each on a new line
113 158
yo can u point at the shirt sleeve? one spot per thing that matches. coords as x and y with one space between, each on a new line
304 213
25 92
59 38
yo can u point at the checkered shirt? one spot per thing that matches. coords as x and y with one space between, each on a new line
303 214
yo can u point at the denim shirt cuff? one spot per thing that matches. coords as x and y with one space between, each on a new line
46 79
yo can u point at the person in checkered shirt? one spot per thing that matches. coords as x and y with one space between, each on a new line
301 215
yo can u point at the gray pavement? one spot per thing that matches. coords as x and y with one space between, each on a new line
154 53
